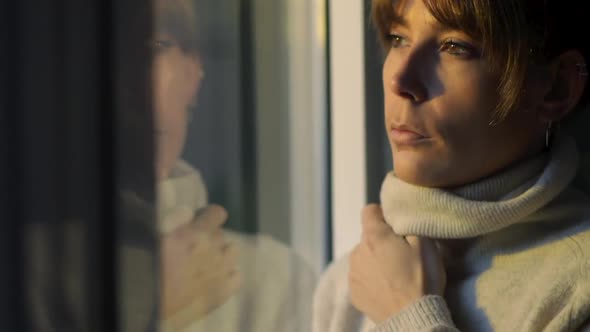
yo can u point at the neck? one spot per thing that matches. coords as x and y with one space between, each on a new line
532 154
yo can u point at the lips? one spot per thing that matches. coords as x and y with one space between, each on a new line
404 134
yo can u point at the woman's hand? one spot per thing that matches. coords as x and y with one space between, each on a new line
389 272
199 268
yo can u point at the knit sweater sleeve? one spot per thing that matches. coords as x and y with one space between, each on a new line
429 314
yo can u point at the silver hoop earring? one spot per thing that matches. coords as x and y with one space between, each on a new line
582 71
550 134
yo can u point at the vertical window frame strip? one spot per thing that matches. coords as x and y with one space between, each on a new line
376 137
347 114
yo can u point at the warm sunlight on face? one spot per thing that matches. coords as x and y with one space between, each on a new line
439 96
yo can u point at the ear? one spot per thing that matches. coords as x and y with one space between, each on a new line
568 80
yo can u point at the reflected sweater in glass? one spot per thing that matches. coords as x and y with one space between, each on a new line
277 284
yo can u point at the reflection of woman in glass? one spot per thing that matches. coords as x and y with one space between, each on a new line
206 285
474 92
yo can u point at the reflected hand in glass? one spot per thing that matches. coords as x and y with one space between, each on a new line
199 268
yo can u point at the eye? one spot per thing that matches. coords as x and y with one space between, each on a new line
459 49
159 45
396 41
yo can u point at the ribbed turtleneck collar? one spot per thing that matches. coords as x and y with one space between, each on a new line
179 197
482 207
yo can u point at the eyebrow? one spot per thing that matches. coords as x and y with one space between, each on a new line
398 20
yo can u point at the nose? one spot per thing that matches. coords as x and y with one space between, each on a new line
406 80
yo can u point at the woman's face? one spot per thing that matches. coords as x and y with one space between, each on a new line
439 97
177 77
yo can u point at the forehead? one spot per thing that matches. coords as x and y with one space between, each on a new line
441 16
174 12
414 14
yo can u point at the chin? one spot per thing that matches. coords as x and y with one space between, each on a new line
409 174
429 166
415 179
164 168
162 173
420 173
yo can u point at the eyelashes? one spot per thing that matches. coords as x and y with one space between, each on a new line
396 41
451 46
459 48
159 45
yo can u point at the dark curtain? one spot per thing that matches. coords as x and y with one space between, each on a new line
75 134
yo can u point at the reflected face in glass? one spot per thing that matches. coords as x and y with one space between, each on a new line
439 98
176 82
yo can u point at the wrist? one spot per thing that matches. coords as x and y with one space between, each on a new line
428 311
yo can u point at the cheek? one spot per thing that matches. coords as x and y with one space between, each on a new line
465 108
388 95
172 97
387 73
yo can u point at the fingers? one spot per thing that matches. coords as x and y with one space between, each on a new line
432 260
373 219
203 235
201 239
428 250
230 255
177 219
218 251
423 244
230 284
234 282
413 241
210 217
215 237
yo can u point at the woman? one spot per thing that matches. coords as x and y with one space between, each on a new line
481 188
206 285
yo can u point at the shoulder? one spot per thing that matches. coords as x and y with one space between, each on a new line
557 234
575 236
578 265
565 269
566 245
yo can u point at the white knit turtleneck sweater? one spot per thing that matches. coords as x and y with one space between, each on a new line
525 266
277 284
